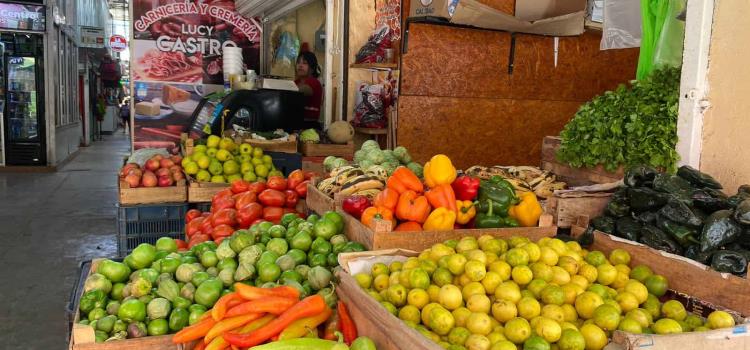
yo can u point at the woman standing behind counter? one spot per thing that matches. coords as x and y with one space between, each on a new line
307 74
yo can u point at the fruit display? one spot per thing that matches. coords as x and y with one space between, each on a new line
523 178
444 201
221 160
685 214
244 204
158 171
492 293
370 156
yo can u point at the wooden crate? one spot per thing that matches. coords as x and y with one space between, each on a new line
574 176
567 207
685 275
289 146
152 195
314 166
82 336
381 236
318 201
327 149
202 192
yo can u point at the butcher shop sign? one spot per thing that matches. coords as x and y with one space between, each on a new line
176 58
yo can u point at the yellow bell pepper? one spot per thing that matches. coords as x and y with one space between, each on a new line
441 219
465 212
439 171
528 211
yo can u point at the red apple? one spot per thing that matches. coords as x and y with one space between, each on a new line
177 159
174 168
158 157
152 164
136 171
133 180
162 172
149 179
166 163
126 169
165 181
178 175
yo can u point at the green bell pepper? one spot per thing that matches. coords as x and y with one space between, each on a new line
499 192
490 219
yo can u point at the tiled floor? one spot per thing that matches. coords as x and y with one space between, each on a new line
48 224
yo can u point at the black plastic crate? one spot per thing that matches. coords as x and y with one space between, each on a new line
203 207
286 162
147 223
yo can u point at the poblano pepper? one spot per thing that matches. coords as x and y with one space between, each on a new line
498 191
729 261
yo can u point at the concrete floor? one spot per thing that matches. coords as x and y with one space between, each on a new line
51 222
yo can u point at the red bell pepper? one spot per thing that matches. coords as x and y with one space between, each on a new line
248 214
199 238
223 194
207 224
291 198
273 214
257 187
193 227
226 216
276 183
301 188
192 214
243 199
295 178
239 186
466 188
222 203
356 205
222 231
272 198
309 175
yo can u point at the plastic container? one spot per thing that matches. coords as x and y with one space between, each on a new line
147 223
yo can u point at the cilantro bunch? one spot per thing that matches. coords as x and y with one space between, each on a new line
628 126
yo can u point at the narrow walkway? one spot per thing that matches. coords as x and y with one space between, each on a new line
48 224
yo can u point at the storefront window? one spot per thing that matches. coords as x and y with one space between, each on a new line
66 88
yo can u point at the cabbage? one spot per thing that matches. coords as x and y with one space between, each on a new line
390 167
309 136
158 308
97 281
376 156
168 289
339 162
402 154
224 251
366 164
416 168
370 145
328 162
359 156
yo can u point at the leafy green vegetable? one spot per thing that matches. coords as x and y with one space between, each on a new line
628 126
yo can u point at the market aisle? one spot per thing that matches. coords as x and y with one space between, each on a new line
51 222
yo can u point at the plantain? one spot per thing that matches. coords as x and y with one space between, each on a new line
343 177
359 183
370 194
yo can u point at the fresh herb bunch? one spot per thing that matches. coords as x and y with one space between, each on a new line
629 126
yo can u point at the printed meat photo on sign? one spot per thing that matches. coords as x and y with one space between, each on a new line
162 112
174 66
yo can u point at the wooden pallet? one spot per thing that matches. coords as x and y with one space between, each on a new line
151 195
327 149
574 176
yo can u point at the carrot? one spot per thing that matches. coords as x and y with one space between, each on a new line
252 293
310 306
347 324
272 305
196 331
220 307
229 324
256 324
217 344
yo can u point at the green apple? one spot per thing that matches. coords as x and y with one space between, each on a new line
218 179
247 167
231 167
245 158
203 176
213 141
257 161
211 152
249 177
227 144
233 177
203 161
267 159
257 152
246 148
261 170
223 155
215 168
200 149
191 168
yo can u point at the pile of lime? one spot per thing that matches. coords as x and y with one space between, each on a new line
221 160
495 294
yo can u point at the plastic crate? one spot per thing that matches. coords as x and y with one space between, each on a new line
286 162
203 207
147 223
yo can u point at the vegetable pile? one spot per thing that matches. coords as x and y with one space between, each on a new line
157 171
371 158
244 204
628 126
221 160
444 201
158 290
523 178
684 214
491 293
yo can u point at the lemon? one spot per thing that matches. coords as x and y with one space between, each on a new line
213 141
442 277
439 250
535 287
396 266
594 337
580 281
569 313
496 337
674 309
571 339
548 256
425 254
696 321
720 319
522 274
490 281
461 315
493 245
557 245
434 292
418 278
553 294
394 278
426 312
590 272
595 258
476 254
396 295
554 312
666 326
528 308
509 291
620 280
380 269
363 280
641 272
599 289
450 297
463 280
569 264
404 277
456 263
641 316
652 305
573 246
536 342
624 269
418 297
586 303
614 304
548 329
637 289
517 241
375 295
390 307
477 342
479 323
533 250
517 330
441 320
701 329
571 291
560 276
541 271
478 303
466 244
475 270
627 301
504 310
630 325
428 266
517 257
472 288
458 335
607 317
409 313
502 268
606 274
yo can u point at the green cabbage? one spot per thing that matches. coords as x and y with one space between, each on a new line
402 154
370 145
309 136
416 168
376 156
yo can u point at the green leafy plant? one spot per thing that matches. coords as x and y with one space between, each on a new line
628 126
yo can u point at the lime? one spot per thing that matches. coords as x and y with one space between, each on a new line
641 316
542 271
458 336
396 295
479 323
594 337
490 281
466 244
596 258
607 317
536 286
418 278
461 315
434 292
534 251
475 270
380 282
388 306
630 325
586 303
450 297
656 285
536 342
504 310
409 313
674 309
553 294
667 326
517 257
571 339
720 319
517 330
426 312
652 305
502 268
478 303
627 301
589 271
380 269
606 274
363 280
637 289
441 320
641 272
418 298
619 256
695 321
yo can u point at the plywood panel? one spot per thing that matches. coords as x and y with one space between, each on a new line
361 24
448 61
480 131
582 72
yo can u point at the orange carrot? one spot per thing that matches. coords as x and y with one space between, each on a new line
221 306
252 293
272 305
229 324
194 332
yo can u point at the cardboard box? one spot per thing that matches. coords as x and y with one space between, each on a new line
544 17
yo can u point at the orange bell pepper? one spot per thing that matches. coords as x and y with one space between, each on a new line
412 207
372 213
442 196
409 226
387 198
403 180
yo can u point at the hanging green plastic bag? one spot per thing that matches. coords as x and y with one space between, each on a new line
662 36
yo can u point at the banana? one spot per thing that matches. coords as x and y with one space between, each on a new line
359 183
